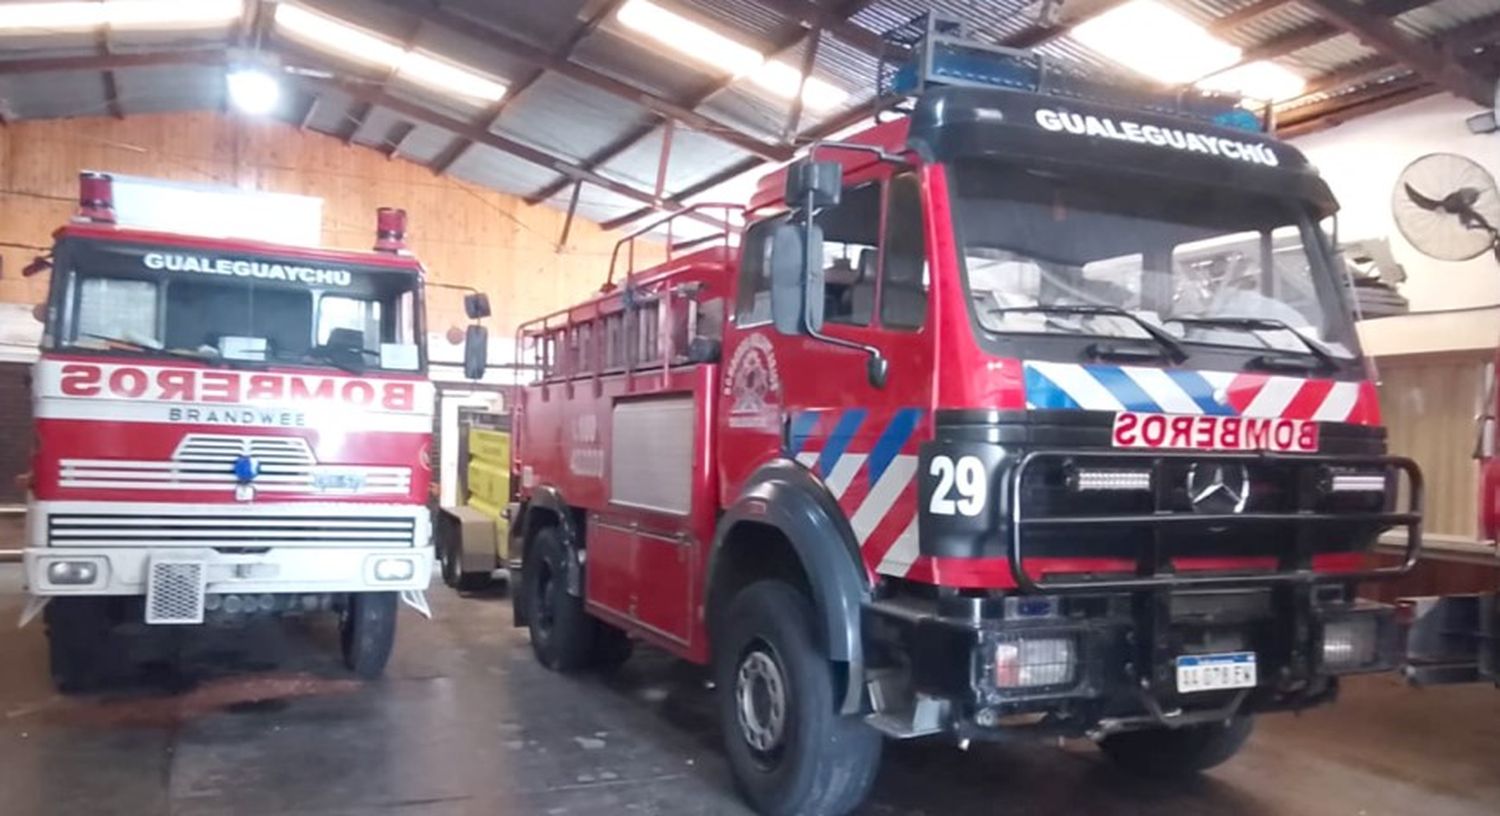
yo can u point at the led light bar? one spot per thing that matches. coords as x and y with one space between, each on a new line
1101 479
1357 483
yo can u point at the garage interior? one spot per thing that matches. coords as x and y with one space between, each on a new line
535 149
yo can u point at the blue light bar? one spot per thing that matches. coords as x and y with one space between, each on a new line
942 53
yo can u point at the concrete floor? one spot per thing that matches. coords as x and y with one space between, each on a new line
466 723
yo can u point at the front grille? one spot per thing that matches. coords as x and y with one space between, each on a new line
174 592
94 530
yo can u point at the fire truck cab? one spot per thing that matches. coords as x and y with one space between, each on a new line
225 428
1037 410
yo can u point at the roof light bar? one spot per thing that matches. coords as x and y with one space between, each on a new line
707 46
328 33
49 18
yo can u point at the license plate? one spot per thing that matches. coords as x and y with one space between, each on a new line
1211 672
338 481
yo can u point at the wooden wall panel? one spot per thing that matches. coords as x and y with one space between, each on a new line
464 234
1429 404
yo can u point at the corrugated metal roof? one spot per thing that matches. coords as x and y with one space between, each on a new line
1445 15
570 119
574 121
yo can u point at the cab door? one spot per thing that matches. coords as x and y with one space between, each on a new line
814 402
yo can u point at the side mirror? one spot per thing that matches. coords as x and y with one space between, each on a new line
814 183
476 351
1484 443
477 305
796 254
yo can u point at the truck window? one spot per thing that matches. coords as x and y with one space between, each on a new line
904 276
851 235
204 312
753 302
117 308
363 316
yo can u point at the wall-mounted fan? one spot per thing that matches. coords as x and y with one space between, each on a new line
1448 208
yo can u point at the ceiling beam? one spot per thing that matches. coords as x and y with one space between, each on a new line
1244 14
107 76
364 92
750 163
1330 112
1380 34
362 112
1321 31
490 117
100 62
484 32
781 46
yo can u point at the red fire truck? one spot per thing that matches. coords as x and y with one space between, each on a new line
1024 413
225 428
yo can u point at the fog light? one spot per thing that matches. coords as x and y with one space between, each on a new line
72 573
1029 662
1349 643
394 569
1092 479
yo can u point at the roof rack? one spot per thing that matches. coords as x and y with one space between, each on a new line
944 52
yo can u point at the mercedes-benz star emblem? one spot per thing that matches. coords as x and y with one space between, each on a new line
1218 488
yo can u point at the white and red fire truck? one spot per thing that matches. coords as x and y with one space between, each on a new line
225 428
1039 410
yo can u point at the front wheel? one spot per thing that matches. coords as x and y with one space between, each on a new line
1176 752
451 559
790 750
367 632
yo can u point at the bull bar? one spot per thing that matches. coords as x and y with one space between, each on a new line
1296 569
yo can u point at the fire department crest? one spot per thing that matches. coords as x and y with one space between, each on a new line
753 385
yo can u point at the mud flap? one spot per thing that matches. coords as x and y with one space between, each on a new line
1451 639
417 599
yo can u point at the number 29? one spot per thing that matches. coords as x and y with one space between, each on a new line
966 478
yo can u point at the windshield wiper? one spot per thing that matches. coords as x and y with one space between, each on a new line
136 345
1318 350
1175 352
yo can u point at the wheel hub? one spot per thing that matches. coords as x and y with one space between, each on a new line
760 700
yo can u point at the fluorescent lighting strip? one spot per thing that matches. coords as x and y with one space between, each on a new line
331 34
45 18
704 45
1154 40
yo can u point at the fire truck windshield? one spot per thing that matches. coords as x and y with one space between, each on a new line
354 319
1203 264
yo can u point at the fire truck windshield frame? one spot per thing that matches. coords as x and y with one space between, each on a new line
1212 267
135 300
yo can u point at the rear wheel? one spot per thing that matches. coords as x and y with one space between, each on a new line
79 643
1176 752
367 632
790 750
450 557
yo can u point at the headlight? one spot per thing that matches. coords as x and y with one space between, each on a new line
1109 479
394 569
1344 480
72 573
1350 643
1022 662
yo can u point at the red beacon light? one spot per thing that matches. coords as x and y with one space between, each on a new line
96 198
390 230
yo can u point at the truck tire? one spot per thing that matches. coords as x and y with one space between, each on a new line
789 749
78 642
1167 752
451 560
562 633
367 632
